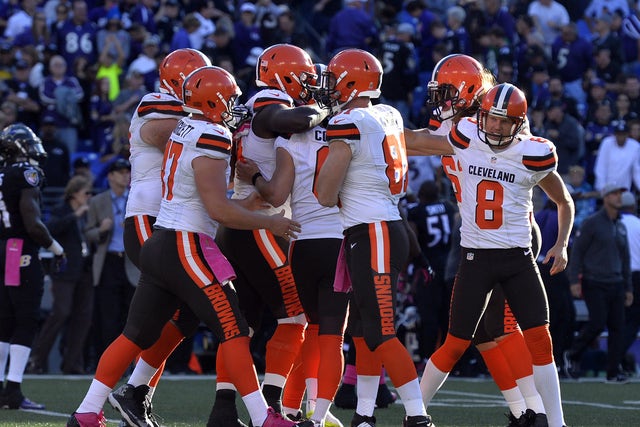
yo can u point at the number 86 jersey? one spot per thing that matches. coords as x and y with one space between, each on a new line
497 186
377 175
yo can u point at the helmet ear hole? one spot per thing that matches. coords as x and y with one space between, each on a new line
211 104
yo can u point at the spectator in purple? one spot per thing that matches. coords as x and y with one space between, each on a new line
205 11
457 38
56 169
494 15
102 117
557 93
21 19
60 95
352 27
24 95
605 38
77 37
182 38
142 13
146 65
36 35
100 14
113 29
247 36
567 134
61 16
168 21
571 58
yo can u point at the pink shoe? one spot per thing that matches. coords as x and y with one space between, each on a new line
275 419
87 419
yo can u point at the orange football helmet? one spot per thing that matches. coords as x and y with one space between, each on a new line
176 66
456 86
288 68
504 101
352 73
212 92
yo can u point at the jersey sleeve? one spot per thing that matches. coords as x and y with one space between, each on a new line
461 133
214 142
539 157
27 177
160 106
269 97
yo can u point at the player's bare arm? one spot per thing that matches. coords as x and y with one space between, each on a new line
278 119
212 186
333 172
420 142
277 189
554 187
157 132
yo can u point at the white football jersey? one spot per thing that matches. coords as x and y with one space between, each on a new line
376 179
181 207
261 150
496 186
308 150
146 160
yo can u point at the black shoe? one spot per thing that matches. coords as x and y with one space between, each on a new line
536 419
617 379
224 417
418 421
570 366
16 400
132 404
385 396
362 421
346 397
521 421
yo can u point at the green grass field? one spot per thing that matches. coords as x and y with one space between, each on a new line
186 401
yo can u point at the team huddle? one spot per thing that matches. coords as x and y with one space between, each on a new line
313 233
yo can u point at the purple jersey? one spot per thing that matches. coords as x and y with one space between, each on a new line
77 40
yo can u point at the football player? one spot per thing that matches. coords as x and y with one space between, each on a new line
365 174
258 257
497 167
22 233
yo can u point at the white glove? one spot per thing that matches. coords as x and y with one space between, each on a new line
56 248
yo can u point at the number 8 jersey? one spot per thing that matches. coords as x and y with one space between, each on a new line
497 186
379 166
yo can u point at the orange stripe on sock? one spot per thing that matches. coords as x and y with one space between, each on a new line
367 362
538 341
499 368
239 365
446 357
397 362
283 348
115 360
330 367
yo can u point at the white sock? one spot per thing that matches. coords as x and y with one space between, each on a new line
412 398
432 380
256 406
4 358
515 401
548 385
18 359
320 412
94 399
367 391
527 387
225 386
274 379
142 373
312 394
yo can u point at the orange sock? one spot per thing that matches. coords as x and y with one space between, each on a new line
115 360
222 376
330 368
156 378
283 348
294 388
538 341
499 369
311 351
161 349
367 362
239 365
517 354
449 353
397 362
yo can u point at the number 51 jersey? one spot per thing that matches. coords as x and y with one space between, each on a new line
497 186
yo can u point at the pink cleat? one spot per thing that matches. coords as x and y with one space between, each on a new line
87 419
275 419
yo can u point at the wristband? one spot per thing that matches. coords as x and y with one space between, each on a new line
56 248
255 177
